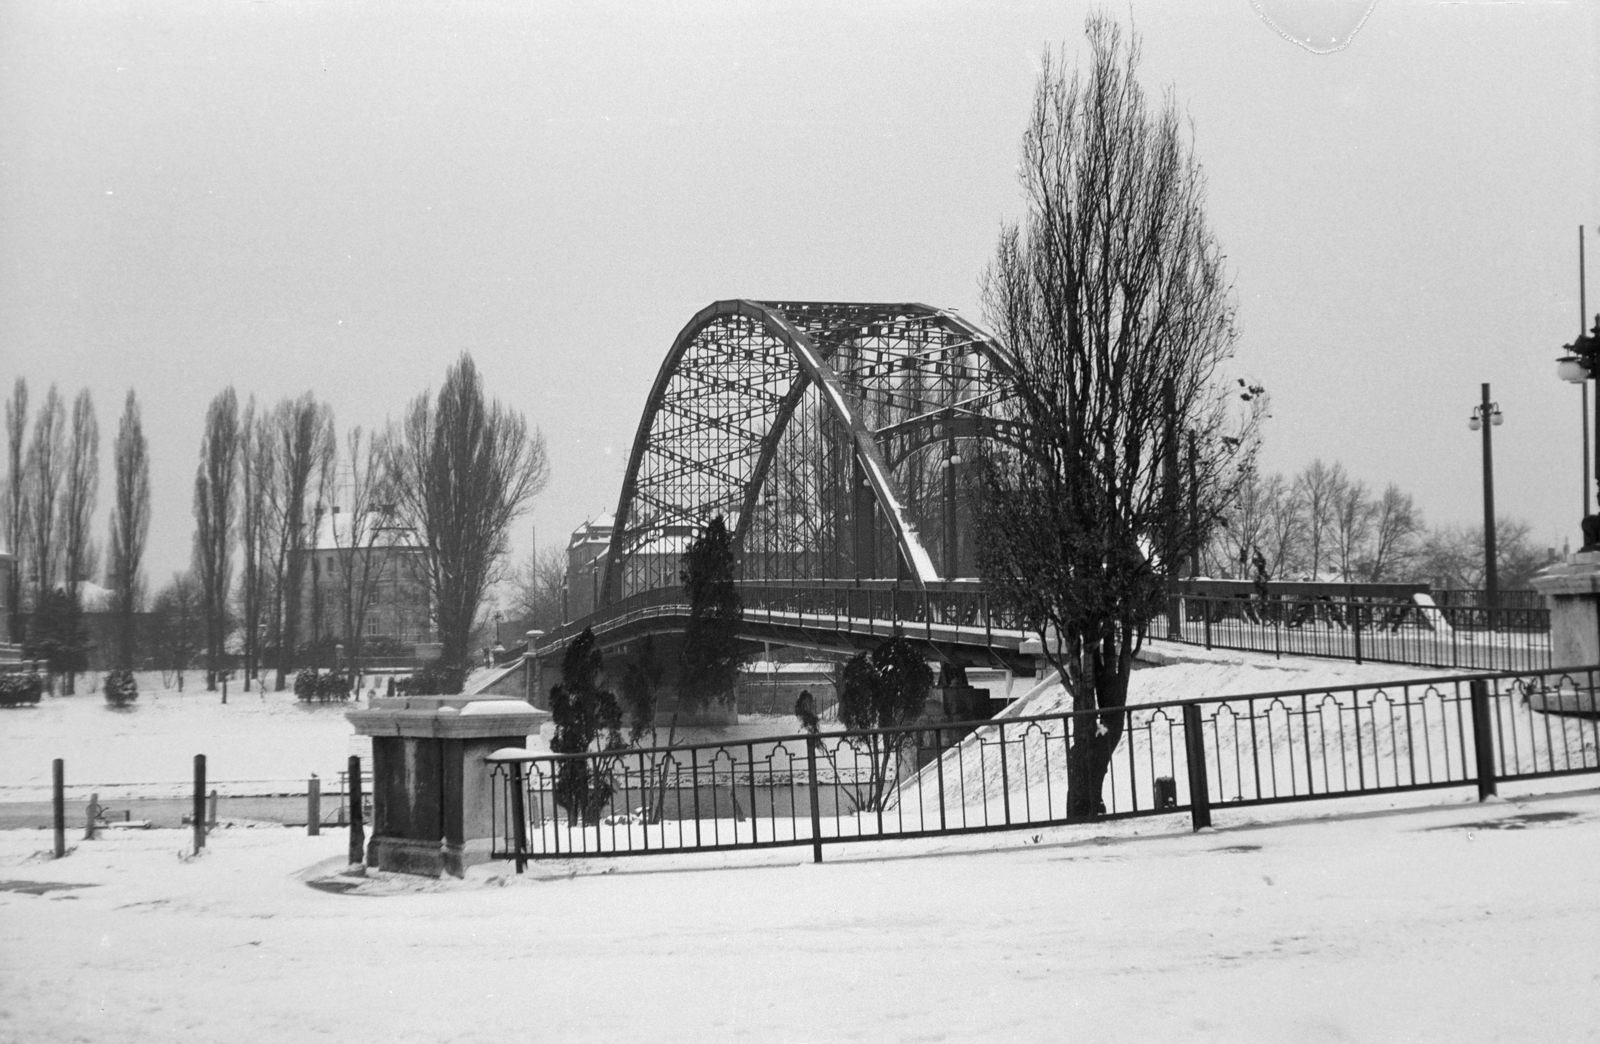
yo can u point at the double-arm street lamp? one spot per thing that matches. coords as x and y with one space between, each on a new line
1485 417
1582 363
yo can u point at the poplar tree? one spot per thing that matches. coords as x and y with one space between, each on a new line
130 526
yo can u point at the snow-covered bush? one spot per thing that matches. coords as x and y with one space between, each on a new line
311 684
120 688
17 689
433 680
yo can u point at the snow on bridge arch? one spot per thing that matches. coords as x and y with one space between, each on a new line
827 435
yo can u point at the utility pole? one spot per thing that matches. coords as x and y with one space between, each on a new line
1485 417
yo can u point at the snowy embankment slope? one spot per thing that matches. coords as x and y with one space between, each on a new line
1030 775
1457 922
1170 671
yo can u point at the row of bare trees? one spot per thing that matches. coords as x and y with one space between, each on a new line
314 517
1324 523
49 499
291 522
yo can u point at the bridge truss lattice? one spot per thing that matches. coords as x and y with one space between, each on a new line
829 436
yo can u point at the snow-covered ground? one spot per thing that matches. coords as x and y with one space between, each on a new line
1417 916
1453 922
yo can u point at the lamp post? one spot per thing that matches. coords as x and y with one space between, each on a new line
1581 363
1485 417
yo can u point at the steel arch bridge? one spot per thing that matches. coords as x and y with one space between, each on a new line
828 436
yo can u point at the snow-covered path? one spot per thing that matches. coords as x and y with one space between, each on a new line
1451 922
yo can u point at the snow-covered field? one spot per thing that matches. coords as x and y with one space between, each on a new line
1452 923
258 742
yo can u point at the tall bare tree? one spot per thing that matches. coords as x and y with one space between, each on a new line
177 626
1396 523
1246 527
1452 557
130 526
1113 301
461 469
302 432
16 503
536 588
1351 513
257 474
79 492
46 467
215 505
358 527
1316 489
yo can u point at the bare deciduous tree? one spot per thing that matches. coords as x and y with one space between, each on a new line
1249 526
1351 512
1452 557
16 503
45 469
357 529
177 627
461 469
536 588
130 526
1113 301
215 506
302 432
1315 490
79 492
1396 522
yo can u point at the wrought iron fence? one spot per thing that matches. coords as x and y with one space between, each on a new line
1464 637
1013 773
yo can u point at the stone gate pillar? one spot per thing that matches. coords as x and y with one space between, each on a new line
430 783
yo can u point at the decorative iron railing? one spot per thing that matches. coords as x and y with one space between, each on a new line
1013 773
1463 637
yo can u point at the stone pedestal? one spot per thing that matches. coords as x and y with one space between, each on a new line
1572 593
430 783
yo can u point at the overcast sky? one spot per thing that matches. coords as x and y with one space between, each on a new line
342 196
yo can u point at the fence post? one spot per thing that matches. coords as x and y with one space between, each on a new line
1194 743
211 811
58 796
1483 739
519 824
199 803
313 806
93 815
816 806
1354 609
358 837
1208 606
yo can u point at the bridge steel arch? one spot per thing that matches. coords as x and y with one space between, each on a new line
826 434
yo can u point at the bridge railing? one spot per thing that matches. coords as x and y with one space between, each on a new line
1463 637
1184 756
942 611
948 606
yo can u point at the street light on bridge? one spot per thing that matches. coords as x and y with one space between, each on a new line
1576 367
1581 363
